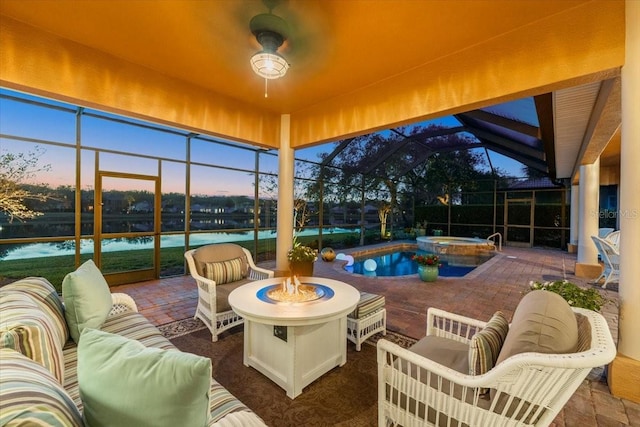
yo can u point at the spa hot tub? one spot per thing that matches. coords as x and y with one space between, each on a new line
458 250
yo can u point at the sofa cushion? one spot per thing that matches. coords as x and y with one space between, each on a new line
124 383
224 271
217 253
485 345
87 299
31 396
544 323
46 297
26 328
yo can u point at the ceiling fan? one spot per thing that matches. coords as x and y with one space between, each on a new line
270 31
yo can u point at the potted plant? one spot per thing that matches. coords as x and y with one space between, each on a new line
301 259
428 266
576 296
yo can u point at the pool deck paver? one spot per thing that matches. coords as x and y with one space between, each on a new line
498 284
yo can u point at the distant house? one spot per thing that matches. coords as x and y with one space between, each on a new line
200 208
143 206
532 184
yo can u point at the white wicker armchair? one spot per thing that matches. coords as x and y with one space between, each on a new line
610 257
213 306
525 389
613 238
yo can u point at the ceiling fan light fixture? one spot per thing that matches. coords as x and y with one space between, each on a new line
271 32
269 65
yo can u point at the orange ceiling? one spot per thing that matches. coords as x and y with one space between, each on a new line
356 65
335 46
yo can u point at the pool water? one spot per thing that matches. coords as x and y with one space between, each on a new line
400 264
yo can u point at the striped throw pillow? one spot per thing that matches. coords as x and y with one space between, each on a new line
42 293
485 345
31 396
224 271
37 343
28 329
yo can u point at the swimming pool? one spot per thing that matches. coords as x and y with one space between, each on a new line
399 263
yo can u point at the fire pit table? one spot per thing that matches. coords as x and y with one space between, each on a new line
294 343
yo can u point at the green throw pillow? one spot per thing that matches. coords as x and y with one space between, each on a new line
87 299
123 383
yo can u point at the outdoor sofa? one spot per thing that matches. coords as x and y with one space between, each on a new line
95 361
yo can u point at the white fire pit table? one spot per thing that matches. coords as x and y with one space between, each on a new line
295 343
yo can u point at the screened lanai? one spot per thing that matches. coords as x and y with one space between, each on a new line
120 214
185 66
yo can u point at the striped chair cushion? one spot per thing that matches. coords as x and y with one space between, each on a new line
224 271
30 331
368 304
485 345
31 396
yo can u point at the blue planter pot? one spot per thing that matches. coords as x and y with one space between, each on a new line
428 273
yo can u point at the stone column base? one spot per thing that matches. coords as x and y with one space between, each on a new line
588 271
624 378
572 249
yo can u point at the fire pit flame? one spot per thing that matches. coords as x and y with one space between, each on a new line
292 290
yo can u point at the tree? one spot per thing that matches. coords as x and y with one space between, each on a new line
300 214
305 190
409 166
15 170
383 212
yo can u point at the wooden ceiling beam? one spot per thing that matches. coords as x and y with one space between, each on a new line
508 123
544 108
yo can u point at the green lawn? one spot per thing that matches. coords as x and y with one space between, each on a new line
55 268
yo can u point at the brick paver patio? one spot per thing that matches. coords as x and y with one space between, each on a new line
498 284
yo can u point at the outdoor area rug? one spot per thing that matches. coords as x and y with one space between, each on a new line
345 396
181 327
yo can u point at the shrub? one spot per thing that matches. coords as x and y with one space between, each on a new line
576 296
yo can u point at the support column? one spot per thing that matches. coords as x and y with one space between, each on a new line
589 208
284 235
624 371
574 219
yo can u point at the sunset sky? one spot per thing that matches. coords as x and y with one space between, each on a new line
59 126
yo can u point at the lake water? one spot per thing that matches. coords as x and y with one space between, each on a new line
40 250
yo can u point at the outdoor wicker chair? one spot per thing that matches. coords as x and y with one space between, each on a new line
603 232
219 269
610 257
614 239
526 387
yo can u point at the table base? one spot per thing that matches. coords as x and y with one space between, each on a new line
309 352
